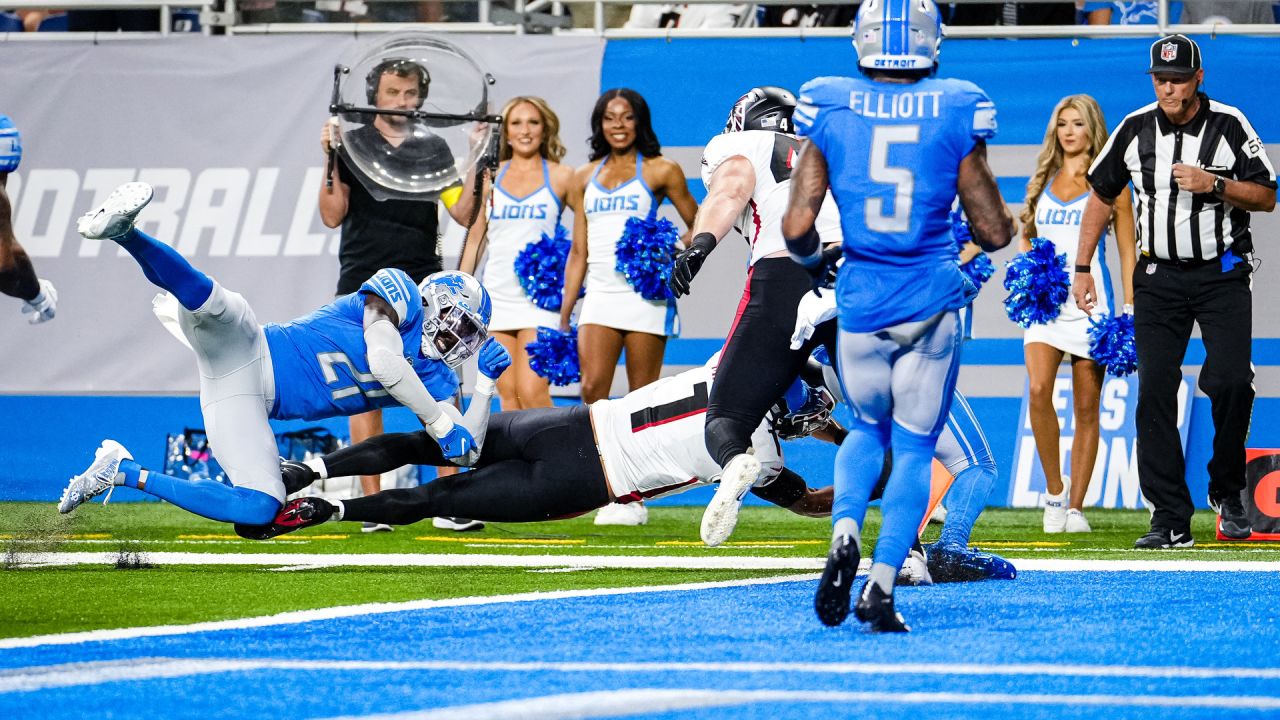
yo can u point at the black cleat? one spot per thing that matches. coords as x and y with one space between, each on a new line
297 477
1162 539
875 607
832 599
1233 521
295 515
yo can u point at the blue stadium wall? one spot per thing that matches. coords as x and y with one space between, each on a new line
44 439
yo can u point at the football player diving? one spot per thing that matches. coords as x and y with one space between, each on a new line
390 342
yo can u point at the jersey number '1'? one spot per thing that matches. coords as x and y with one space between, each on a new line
902 179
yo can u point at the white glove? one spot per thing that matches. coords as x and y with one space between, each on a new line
44 306
813 310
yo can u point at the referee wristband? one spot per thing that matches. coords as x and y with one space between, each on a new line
1084 268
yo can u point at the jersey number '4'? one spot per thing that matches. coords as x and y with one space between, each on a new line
901 178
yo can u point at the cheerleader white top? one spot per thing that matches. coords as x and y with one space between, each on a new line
1059 222
610 300
514 223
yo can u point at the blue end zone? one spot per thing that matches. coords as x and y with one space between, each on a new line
1047 645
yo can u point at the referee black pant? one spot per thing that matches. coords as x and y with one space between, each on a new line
1167 300
757 364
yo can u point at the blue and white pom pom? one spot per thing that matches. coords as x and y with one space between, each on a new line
645 253
554 356
980 269
1111 343
1038 284
540 269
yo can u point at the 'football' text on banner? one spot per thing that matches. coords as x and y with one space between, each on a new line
1114 483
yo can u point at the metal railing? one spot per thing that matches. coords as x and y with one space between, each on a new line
549 16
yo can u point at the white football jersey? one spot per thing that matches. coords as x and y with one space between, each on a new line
772 154
651 441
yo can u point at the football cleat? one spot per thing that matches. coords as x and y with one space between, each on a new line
915 570
875 607
295 515
100 477
955 563
831 601
721 515
456 524
1162 539
115 216
1232 519
373 527
626 514
296 476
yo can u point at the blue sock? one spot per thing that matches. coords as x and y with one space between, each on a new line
858 464
167 269
906 496
206 498
966 500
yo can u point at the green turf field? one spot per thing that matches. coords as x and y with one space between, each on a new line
39 600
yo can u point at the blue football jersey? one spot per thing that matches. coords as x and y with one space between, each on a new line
893 153
321 364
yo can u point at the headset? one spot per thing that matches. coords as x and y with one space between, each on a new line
399 66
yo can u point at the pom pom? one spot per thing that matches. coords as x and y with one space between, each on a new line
554 356
1111 344
645 254
980 269
1038 284
540 269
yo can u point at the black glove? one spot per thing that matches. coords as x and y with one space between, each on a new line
823 273
689 262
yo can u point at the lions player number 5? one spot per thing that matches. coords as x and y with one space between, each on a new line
902 180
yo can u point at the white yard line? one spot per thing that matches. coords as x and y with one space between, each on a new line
620 703
95 673
676 562
305 616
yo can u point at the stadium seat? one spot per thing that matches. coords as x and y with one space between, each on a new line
10 23
53 23
311 15
182 20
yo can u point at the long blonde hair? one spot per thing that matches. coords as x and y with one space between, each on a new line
551 147
1050 159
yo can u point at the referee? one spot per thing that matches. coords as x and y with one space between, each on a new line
1197 169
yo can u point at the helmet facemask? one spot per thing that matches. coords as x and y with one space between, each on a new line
451 331
810 417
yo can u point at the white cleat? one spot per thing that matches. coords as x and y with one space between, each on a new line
631 514
115 217
721 515
1076 522
938 516
99 478
915 570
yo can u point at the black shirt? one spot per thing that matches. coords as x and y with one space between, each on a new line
391 233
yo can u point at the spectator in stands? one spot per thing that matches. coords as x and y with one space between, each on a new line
807 15
1125 12
1054 206
523 205
396 233
113 20
1243 12
626 178
691 16
1010 13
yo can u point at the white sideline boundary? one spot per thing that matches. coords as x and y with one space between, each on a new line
643 562
31 679
343 611
622 703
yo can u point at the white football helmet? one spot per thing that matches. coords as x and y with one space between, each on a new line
456 312
897 34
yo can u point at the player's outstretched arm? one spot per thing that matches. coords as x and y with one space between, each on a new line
491 362
728 191
385 352
809 183
990 219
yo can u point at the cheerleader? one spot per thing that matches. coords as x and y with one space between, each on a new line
1055 203
524 203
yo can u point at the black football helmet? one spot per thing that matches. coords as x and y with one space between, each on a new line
763 108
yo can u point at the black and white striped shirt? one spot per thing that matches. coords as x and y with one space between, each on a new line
1173 224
